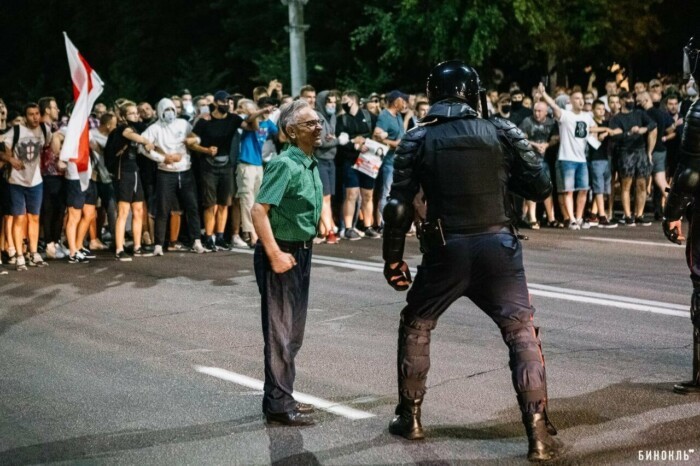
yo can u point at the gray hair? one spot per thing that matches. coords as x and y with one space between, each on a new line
289 112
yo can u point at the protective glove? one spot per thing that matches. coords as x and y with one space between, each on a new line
399 278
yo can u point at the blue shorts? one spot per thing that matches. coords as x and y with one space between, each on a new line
571 176
355 179
77 198
599 171
658 162
25 200
326 170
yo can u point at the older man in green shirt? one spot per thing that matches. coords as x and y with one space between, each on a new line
285 217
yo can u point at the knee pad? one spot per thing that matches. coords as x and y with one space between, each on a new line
414 357
526 362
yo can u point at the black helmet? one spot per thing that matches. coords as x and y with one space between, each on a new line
691 52
454 80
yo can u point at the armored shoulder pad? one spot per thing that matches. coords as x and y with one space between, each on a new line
412 140
690 144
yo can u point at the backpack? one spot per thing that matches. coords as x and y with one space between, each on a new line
115 146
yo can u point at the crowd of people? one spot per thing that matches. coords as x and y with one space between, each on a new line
185 176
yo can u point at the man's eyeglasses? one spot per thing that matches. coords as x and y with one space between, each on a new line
311 124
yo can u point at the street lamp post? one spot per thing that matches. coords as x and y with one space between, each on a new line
297 45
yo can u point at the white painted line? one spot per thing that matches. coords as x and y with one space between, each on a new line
567 294
667 244
331 407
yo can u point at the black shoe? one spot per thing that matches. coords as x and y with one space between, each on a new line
541 445
87 253
407 421
210 244
222 245
304 408
122 256
141 252
690 387
642 221
289 419
78 258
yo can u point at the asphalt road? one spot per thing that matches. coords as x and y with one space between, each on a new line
143 362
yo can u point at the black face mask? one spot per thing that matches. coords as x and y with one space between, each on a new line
517 105
630 106
346 107
657 104
505 108
222 109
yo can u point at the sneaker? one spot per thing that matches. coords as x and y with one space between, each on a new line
534 225
210 244
64 249
372 233
87 253
361 233
628 221
331 238
35 260
198 248
158 250
78 258
51 251
573 225
97 245
122 256
176 246
221 244
352 235
13 257
140 252
603 222
592 220
20 265
583 223
317 240
642 221
237 242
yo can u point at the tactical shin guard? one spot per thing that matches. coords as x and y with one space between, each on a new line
692 386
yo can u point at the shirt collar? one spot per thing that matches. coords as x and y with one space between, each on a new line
300 156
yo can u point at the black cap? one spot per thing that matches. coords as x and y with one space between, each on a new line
395 94
221 96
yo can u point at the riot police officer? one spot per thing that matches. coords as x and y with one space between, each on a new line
465 166
685 191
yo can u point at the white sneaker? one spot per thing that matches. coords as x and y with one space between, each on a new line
158 250
97 245
197 247
66 251
237 242
51 250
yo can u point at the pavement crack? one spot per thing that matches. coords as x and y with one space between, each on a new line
621 348
466 377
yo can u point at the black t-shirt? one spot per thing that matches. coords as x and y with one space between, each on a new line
626 142
517 115
354 126
128 161
663 121
601 153
218 132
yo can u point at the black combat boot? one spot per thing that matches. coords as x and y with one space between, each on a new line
407 421
541 445
692 387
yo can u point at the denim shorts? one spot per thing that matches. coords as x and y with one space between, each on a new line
658 162
326 170
599 171
25 200
571 176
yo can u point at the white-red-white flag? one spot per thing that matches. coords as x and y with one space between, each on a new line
87 86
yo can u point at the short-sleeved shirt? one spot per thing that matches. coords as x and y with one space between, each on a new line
393 125
601 153
218 132
628 143
663 122
538 132
292 187
28 151
573 134
252 143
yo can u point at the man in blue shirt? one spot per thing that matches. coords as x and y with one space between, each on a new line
389 131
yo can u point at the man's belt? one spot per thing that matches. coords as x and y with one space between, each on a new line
293 246
478 230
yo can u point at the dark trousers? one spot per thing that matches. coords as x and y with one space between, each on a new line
284 301
488 269
109 203
53 208
176 186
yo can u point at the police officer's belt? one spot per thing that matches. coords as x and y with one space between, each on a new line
478 230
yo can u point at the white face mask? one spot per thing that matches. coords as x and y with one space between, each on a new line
169 116
188 107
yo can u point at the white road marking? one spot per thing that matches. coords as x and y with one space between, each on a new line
567 294
330 406
667 244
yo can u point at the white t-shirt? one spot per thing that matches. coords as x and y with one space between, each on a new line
170 138
28 150
71 168
574 130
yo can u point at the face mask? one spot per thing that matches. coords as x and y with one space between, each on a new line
203 109
692 92
629 106
330 109
169 116
517 105
505 108
188 106
222 109
346 107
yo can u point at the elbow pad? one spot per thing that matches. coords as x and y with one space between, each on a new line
398 216
685 182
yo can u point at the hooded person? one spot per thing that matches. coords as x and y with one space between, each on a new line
174 179
326 104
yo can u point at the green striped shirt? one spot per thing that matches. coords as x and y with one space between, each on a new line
292 187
